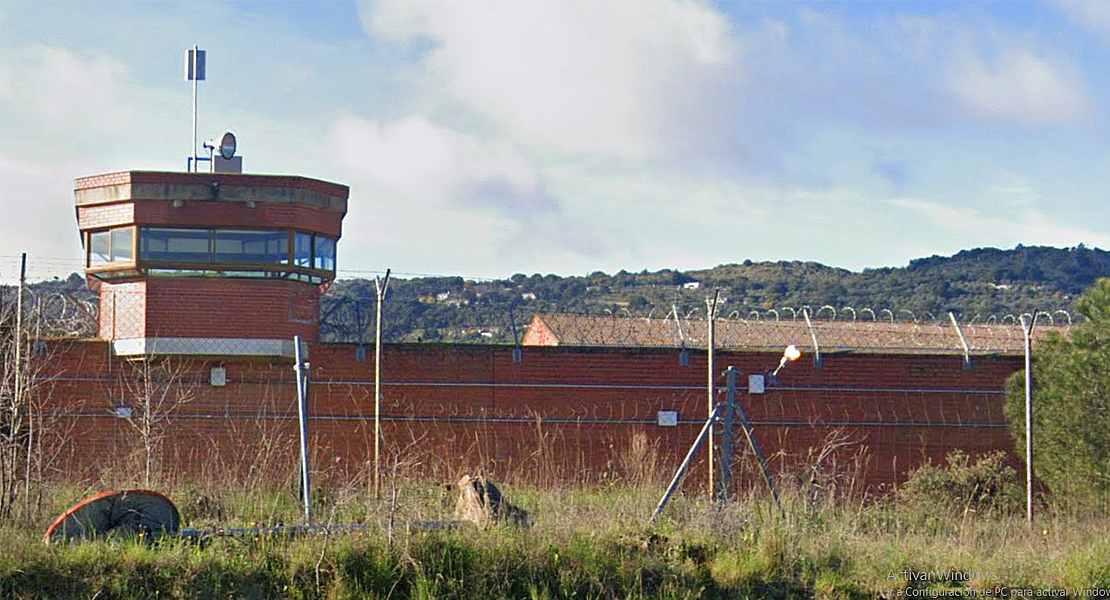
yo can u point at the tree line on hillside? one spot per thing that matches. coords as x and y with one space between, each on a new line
973 284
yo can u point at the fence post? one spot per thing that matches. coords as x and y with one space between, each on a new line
380 285
302 416
711 310
20 409
1027 330
19 331
726 436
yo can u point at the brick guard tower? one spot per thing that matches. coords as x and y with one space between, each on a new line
222 264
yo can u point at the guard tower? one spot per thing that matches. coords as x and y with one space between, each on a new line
216 264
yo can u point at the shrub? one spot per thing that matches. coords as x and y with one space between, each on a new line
1070 405
963 485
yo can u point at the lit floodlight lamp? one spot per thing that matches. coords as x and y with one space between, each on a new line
791 354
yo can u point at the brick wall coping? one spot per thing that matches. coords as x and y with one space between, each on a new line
181 178
129 186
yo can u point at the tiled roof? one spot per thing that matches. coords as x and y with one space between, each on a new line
832 336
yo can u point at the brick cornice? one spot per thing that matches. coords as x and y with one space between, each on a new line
180 178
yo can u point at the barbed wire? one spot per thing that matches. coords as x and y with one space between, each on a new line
69 309
75 313
946 336
54 313
40 268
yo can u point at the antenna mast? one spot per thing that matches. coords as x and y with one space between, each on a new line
194 71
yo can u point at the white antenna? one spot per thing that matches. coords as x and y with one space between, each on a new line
220 150
194 71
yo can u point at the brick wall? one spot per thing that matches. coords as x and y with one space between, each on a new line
208 199
105 215
231 308
122 310
209 213
559 412
209 308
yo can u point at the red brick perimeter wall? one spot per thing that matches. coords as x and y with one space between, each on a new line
581 414
197 307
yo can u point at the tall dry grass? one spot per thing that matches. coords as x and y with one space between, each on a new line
588 541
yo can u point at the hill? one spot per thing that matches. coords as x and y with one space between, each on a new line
973 284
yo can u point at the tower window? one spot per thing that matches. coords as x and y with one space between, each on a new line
324 253
186 245
111 245
302 249
234 245
212 252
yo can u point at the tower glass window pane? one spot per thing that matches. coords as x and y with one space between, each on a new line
213 252
302 249
324 253
185 245
233 246
122 238
100 250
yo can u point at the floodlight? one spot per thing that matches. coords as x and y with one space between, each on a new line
791 354
225 145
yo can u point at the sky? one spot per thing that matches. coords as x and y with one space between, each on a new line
484 139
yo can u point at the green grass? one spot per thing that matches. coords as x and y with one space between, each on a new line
586 543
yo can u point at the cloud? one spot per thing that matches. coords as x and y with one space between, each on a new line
1019 85
417 160
649 122
617 78
66 113
1088 13
85 106
71 92
568 136
908 70
1026 225
442 184
36 199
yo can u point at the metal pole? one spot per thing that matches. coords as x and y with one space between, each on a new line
512 323
19 332
516 338
305 381
711 309
726 437
302 417
759 456
380 285
193 148
685 463
1027 331
358 323
19 378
